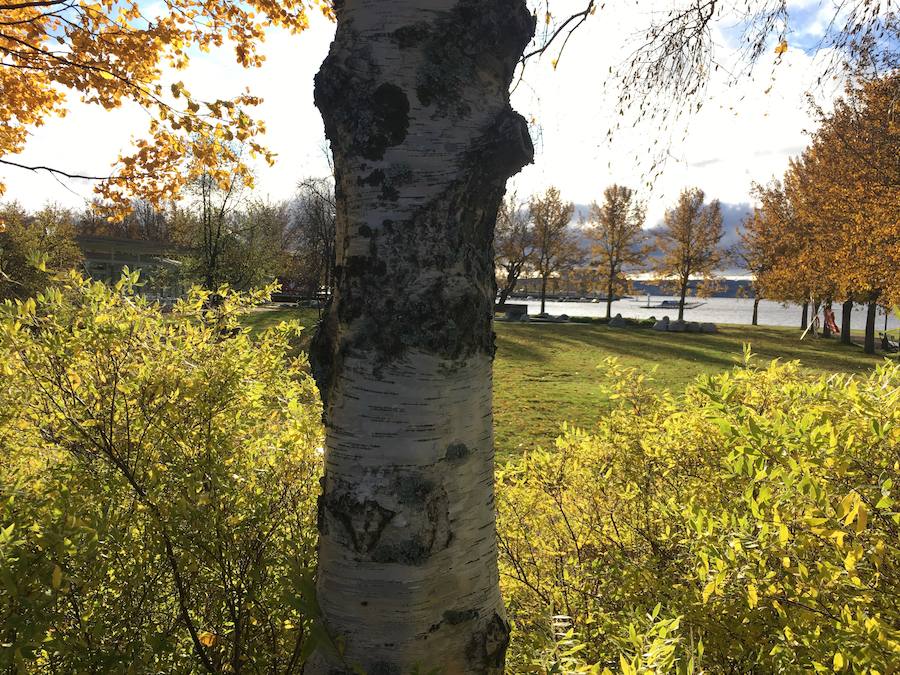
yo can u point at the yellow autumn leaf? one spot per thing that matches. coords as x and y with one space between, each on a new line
752 596
781 48
862 517
106 75
783 534
838 661
206 638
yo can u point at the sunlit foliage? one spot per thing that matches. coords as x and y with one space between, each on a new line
111 53
157 488
748 525
34 246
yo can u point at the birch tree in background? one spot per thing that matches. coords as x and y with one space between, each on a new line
689 245
415 99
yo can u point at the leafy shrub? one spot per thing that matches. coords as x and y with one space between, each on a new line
750 525
157 488
32 247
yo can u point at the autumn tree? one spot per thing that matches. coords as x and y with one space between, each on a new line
33 247
779 248
617 239
854 175
110 54
688 243
514 244
555 245
754 253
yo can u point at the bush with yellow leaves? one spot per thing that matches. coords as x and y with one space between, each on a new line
157 486
748 525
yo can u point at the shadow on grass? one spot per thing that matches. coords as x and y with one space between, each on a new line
536 343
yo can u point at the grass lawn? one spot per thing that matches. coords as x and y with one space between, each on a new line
547 374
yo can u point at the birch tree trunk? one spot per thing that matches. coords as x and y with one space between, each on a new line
414 95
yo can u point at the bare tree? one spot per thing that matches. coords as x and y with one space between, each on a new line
513 244
618 238
312 234
556 247
689 245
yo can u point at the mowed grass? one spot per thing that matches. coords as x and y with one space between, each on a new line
549 374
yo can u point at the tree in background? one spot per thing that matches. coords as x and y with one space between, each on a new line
143 221
617 239
688 242
854 178
772 234
233 237
514 244
34 247
555 245
310 239
754 254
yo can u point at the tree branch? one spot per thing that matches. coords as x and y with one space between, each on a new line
51 170
579 17
33 3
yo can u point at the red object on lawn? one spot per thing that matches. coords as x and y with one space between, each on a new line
829 321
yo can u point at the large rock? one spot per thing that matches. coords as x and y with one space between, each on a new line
617 322
677 326
708 328
693 327
662 324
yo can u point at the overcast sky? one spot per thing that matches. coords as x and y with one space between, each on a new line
744 133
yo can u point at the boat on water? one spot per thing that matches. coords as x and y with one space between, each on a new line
671 304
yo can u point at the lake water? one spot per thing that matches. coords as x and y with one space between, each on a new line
714 310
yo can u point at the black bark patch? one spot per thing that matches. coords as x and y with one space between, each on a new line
390 120
456 452
426 509
487 648
413 490
407 37
324 358
458 616
475 40
374 179
364 521
413 551
384 668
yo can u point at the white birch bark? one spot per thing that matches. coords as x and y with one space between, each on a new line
414 94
